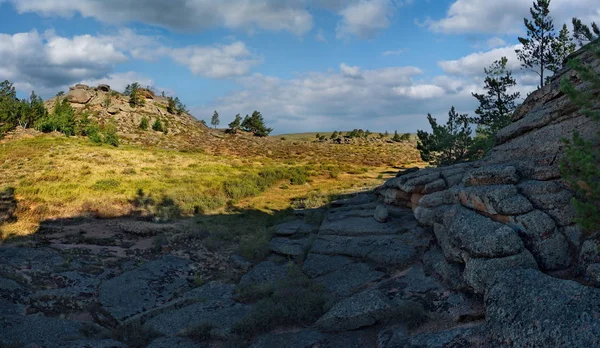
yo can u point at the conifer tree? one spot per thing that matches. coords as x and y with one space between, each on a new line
447 144
562 47
583 34
215 119
536 54
581 166
235 125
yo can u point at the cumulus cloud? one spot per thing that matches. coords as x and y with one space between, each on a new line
183 15
393 52
364 19
506 17
381 99
473 64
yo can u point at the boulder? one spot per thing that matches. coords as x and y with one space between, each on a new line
478 271
360 310
289 247
79 96
267 272
381 214
492 175
349 279
298 339
104 88
113 110
526 308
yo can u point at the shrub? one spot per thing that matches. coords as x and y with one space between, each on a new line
157 126
167 210
110 135
255 247
295 300
144 123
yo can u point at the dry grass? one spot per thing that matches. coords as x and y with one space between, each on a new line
57 177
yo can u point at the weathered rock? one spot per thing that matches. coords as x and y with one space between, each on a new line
39 330
289 247
240 262
592 272
358 226
495 200
450 274
459 337
293 227
526 308
478 271
170 342
392 337
349 279
418 183
491 175
317 265
145 287
113 110
437 199
363 309
381 214
91 343
299 339
79 96
435 186
481 237
266 272
452 253
104 88
590 253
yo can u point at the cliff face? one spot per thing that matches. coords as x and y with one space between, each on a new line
502 220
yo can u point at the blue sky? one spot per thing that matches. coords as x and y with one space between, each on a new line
307 65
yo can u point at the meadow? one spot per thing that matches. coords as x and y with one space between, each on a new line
54 176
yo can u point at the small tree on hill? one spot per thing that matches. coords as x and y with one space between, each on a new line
136 97
334 135
447 144
562 47
215 119
256 125
396 137
157 126
235 125
144 123
536 54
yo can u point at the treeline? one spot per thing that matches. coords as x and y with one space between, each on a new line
337 136
543 52
254 124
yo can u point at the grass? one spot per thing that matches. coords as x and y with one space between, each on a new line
60 177
295 300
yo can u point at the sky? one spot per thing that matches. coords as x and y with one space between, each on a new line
306 65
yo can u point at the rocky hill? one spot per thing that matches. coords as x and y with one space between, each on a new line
104 104
481 254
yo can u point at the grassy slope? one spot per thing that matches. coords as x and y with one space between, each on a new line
55 176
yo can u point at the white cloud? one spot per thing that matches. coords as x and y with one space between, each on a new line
118 81
473 64
184 15
393 52
495 42
350 71
220 61
506 17
364 19
387 98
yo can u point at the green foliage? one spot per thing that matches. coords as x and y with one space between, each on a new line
256 246
295 300
175 106
253 184
334 135
536 54
562 47
400 138
15 112
157 125
583 34
144 123
581 166
447 144
61 120
214 121
356 133
106 184
110 134
318 135
136 97
107 101
235 125
256 125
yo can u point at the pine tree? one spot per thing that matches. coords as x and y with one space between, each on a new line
396 137
256 125
136 98
215 119
536 53
447 144
562 47
157 126
497 104
583 34
235 125
334 135
581 166
144 123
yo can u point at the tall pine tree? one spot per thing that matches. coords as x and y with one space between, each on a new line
536 54
562 47
583 34
214 121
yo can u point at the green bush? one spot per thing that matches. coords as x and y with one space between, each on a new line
110 135
157 126
255 247
144 123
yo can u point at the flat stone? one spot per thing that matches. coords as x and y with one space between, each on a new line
91 343
221 315
481 237
491 175
358 226
267 272
392 337
349 279
363 309
39 330
293 227
436 199
478 271
495 200
145 287
418 183
299 339
317 265
31 260
172 342
435 186
459 337
527 308
289 247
